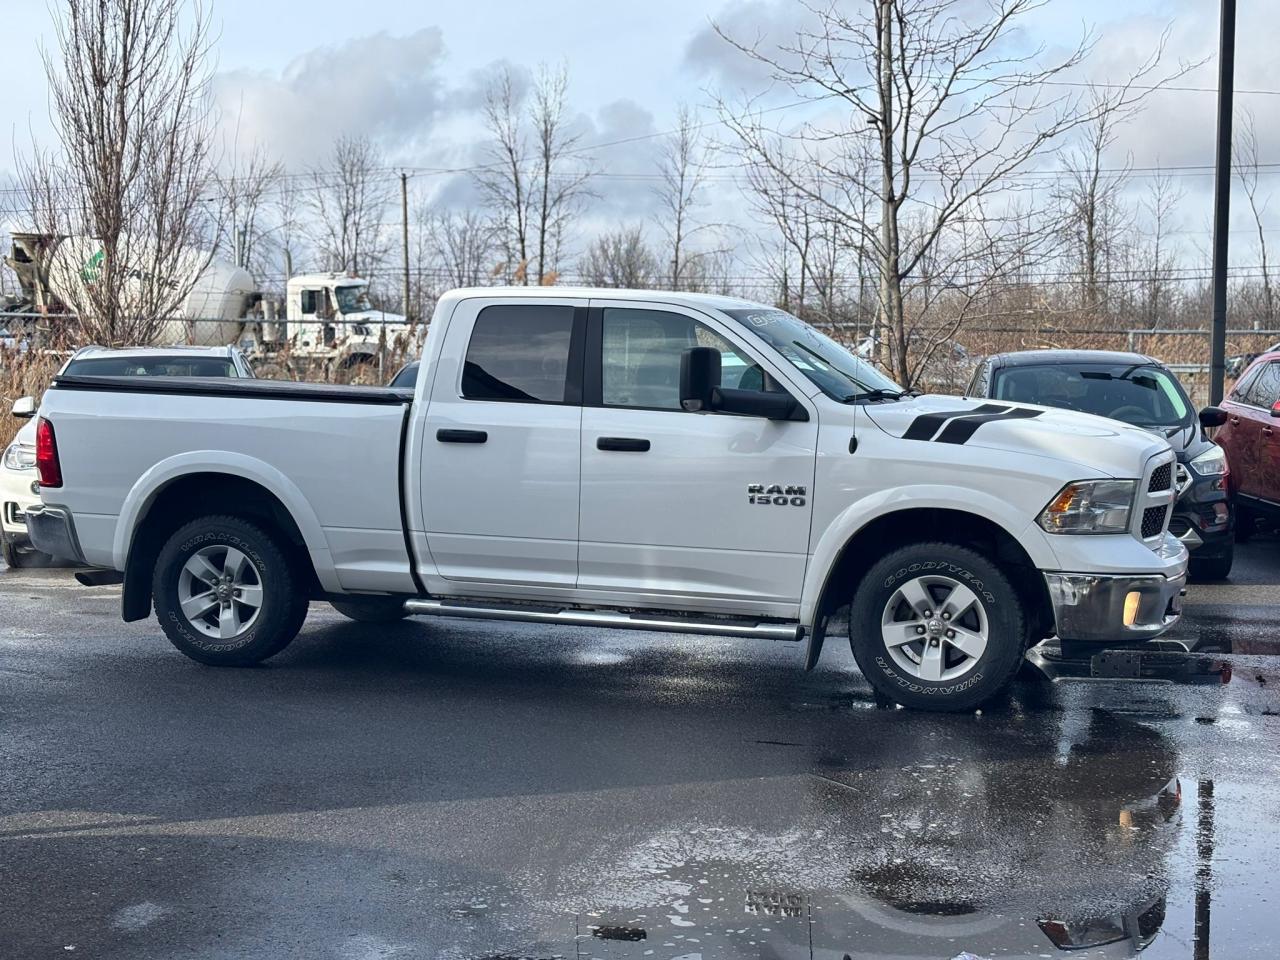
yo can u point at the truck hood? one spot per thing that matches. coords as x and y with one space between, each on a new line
1108 447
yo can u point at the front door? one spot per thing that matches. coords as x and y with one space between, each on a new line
500 472
690 509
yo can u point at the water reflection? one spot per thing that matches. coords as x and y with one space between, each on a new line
979 844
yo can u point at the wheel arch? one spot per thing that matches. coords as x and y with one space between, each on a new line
178 493
896 528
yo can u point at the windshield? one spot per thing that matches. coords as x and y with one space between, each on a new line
831 367
151 367
1139 394
353 298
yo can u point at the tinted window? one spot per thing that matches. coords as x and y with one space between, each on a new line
407 377
519 352
1140 394
151 367
641 357
1266 389
1240 392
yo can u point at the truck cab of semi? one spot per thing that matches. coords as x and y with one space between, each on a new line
328 312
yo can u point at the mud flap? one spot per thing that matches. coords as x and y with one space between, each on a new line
813 649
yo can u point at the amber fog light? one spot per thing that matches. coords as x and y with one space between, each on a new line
1132 600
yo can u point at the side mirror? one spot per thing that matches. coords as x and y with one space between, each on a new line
700 390
1216 416
699 376
1275 409
24 408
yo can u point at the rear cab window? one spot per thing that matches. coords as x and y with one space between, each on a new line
521 353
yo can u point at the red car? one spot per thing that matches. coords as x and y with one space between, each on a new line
1251 437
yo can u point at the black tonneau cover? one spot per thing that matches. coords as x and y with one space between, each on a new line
244 389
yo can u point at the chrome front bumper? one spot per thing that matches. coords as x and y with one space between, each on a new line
1090 606
52 531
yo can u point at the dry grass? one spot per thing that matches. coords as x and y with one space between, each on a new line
22 375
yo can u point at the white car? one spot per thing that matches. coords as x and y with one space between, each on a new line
18 486
628 459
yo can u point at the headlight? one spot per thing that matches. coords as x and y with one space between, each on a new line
1090 506
19 456
1211 463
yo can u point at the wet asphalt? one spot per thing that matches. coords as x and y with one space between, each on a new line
486 790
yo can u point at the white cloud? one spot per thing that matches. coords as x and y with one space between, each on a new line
388 88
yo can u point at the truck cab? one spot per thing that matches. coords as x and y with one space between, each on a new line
329 312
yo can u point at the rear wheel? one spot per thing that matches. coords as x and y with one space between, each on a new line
937 626
9 552
371 609
226 593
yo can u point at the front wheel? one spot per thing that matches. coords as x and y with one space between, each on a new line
226 593
937 626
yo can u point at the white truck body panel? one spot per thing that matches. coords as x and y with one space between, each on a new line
529 499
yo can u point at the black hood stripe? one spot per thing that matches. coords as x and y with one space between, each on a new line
926 425
958 431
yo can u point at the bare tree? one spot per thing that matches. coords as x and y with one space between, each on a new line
560 178
128 84
349 199
287 213
1089 195
950 113
243 191
1160 205
1244 158
504 178
460 245
682 164
620 258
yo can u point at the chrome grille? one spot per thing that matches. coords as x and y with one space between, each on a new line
1161 478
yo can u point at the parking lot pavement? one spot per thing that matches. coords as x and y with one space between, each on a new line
468 789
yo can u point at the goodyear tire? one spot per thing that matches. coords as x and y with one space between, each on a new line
937 626
226 593
371 609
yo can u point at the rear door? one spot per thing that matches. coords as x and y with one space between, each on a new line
674 504
500 474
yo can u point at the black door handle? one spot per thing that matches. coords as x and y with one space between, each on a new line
630 444
461 436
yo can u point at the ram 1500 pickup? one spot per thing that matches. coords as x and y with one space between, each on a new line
645 460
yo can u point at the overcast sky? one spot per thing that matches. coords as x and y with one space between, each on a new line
295 75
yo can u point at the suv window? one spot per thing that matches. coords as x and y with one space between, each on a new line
641 358
151 366
519 352
1265 390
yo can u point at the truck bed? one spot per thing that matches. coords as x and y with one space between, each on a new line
331 454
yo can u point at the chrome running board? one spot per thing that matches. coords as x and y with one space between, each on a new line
605 618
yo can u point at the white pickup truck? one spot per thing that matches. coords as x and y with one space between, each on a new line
645 460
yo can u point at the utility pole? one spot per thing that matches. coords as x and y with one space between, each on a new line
885 81
404 237
1222 200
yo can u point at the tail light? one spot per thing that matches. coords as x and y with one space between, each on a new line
47 464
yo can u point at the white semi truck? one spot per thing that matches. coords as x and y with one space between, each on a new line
643 460
328 317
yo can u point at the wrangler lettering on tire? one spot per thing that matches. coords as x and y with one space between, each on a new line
937 625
